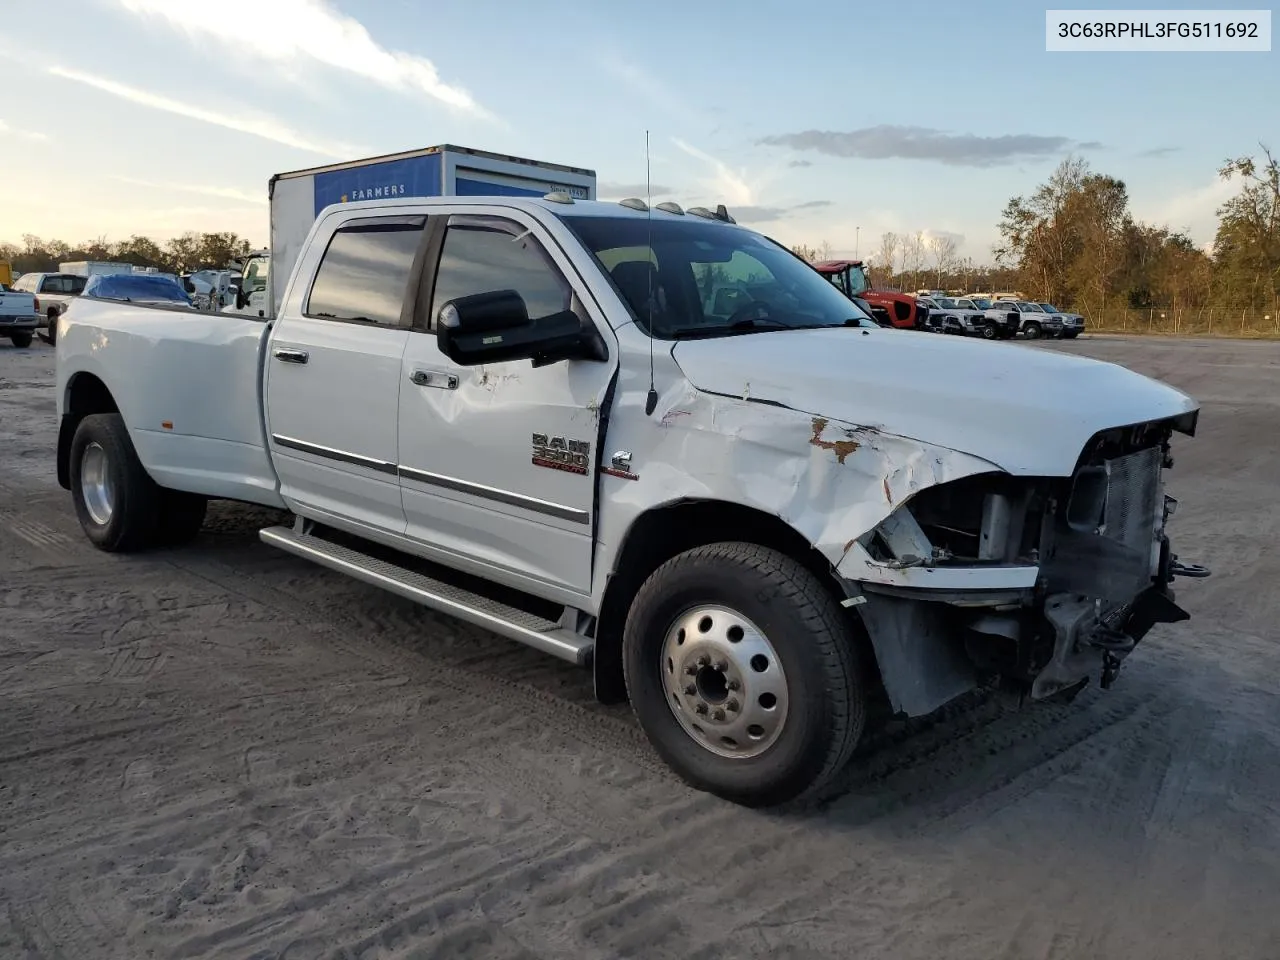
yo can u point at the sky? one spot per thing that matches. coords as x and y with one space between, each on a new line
814 125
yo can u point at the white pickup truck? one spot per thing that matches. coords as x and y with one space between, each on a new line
19 316
761 527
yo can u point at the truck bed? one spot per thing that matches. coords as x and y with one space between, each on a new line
17 308
189 386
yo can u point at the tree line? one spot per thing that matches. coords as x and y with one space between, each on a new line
181 254
1074 242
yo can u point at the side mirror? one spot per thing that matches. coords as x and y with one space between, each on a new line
495 327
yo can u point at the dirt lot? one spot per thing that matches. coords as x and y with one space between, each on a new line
225 751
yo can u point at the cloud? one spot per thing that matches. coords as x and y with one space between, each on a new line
886 142
1156 152
725 185
289 33
8 131
262 126
747 214
1091 145
223 193
1194 211
644 84
621 190
800 163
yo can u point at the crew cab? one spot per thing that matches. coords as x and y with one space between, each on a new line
762 527
19 316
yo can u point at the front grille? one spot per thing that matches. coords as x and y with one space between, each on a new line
1133 487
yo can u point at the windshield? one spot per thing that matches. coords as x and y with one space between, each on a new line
982 303
136 287
1048 307
946 303
966 305
700 278
1031 307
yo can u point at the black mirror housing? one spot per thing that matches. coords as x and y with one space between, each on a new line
494 327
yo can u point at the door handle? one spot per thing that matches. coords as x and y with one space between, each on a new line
290 356
425 378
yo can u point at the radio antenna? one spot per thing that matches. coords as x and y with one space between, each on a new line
651 401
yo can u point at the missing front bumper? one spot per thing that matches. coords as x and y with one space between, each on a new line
1087 643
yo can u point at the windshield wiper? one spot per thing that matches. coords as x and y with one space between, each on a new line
758 323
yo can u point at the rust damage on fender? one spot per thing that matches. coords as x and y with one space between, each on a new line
841 448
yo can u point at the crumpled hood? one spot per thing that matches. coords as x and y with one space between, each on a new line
1029 411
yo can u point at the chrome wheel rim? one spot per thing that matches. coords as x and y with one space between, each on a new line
724 682
95 484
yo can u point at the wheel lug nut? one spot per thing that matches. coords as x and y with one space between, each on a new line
691 670
701 709
732 706
718 715
690 690
722 665
704 661
734 685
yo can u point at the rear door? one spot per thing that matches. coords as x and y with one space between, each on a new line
333 369
498 462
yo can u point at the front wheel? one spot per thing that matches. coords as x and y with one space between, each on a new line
20 340
1033 331
740 667
988 332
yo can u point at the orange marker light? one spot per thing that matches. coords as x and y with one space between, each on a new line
167 424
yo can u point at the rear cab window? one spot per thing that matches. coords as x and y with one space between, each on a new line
364 274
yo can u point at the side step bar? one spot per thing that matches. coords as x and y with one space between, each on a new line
510 622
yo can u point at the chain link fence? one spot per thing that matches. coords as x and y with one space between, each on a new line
1190 322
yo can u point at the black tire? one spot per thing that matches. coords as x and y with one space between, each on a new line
181 517
1072 335
1033 330
51 333
134 496
988 332
21 340
814 645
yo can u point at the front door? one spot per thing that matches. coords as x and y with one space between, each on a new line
333 381
498 462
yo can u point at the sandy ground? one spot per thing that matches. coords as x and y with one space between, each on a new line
224 751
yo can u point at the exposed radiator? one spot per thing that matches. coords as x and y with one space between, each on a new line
1133 489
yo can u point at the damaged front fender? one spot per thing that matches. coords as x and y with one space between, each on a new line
832 482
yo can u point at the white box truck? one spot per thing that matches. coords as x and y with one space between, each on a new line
93 268
298 196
